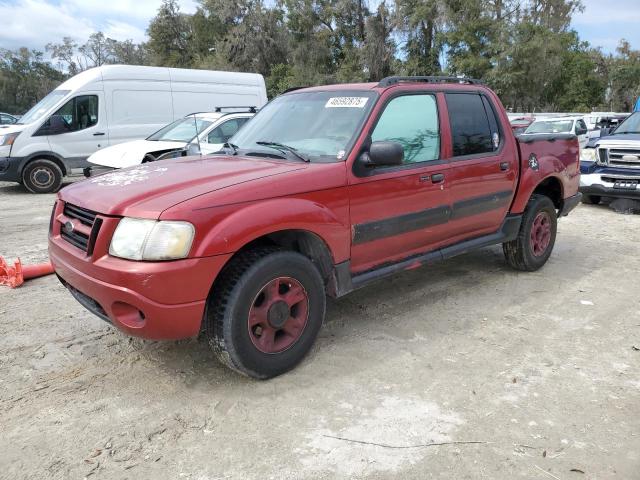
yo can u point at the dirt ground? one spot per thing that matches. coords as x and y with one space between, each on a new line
541 371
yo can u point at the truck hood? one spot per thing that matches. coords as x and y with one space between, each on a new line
4 129
129 154
147 190
630 139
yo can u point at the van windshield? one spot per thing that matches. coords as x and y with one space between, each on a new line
319 126
43 106
183 130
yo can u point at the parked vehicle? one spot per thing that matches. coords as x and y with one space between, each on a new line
7 119
520 124
109 105
569 125
612 167
178 139
605 125
324 191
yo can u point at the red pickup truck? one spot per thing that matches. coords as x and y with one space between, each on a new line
325 190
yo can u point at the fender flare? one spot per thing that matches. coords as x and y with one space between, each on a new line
39 154
550 167
277 215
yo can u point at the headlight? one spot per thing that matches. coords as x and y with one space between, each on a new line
140 239
588 155
8 138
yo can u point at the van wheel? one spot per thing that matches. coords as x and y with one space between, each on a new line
533 245
42 176
265 311
591 199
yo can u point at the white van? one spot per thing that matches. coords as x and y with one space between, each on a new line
109 105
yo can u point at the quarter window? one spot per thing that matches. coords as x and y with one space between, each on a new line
474 129
412 121
77 114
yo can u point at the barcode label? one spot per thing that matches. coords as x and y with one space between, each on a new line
346 102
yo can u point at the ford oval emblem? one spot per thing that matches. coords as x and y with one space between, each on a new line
69 227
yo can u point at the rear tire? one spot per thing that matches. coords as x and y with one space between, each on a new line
42 176
591 199
265 311
533 245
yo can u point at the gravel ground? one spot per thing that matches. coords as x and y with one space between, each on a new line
539 372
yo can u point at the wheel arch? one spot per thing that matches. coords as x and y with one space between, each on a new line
550 186
55 158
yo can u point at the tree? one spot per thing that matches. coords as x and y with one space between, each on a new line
378 49
421 22
171 37
25 78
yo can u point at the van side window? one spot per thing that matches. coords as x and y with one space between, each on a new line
470 129
77 114
411 121
222 133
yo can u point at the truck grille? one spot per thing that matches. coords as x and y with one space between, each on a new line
621 157
85 233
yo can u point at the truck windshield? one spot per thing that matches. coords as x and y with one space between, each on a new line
43 106
550 126
183 130
630 125
320 126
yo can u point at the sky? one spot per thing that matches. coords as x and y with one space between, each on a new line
34 23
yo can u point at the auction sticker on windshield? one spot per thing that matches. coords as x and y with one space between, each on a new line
349 102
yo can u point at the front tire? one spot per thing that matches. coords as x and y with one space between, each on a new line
265 311
533 245
42 176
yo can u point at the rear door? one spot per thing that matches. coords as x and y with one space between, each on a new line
483 172
401 210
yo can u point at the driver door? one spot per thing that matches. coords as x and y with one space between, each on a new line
78 128
401 210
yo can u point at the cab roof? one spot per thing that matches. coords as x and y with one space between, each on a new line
387 82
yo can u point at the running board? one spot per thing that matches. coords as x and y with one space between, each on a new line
346 283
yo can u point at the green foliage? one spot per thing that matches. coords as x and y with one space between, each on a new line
524 49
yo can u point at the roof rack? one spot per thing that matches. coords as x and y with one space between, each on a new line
251 109
388 81
292 89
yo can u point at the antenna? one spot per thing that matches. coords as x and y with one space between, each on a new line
195 123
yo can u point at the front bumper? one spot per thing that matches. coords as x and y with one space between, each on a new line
10 169
602 184
153 300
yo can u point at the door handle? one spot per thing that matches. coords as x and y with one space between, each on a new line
437 178
98 134
504 166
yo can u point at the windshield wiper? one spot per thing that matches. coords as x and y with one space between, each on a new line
282 146
232 146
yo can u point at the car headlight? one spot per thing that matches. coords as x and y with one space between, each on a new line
588 155
8 138
140 239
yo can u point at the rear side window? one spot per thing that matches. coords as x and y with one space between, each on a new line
412 121
474 127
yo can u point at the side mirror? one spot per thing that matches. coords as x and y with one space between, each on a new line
384 154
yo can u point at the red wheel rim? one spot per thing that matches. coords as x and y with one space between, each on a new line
278 315
540 234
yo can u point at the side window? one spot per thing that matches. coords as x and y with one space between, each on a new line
580 125
6 120
222 133
77 114
412 121
470 126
